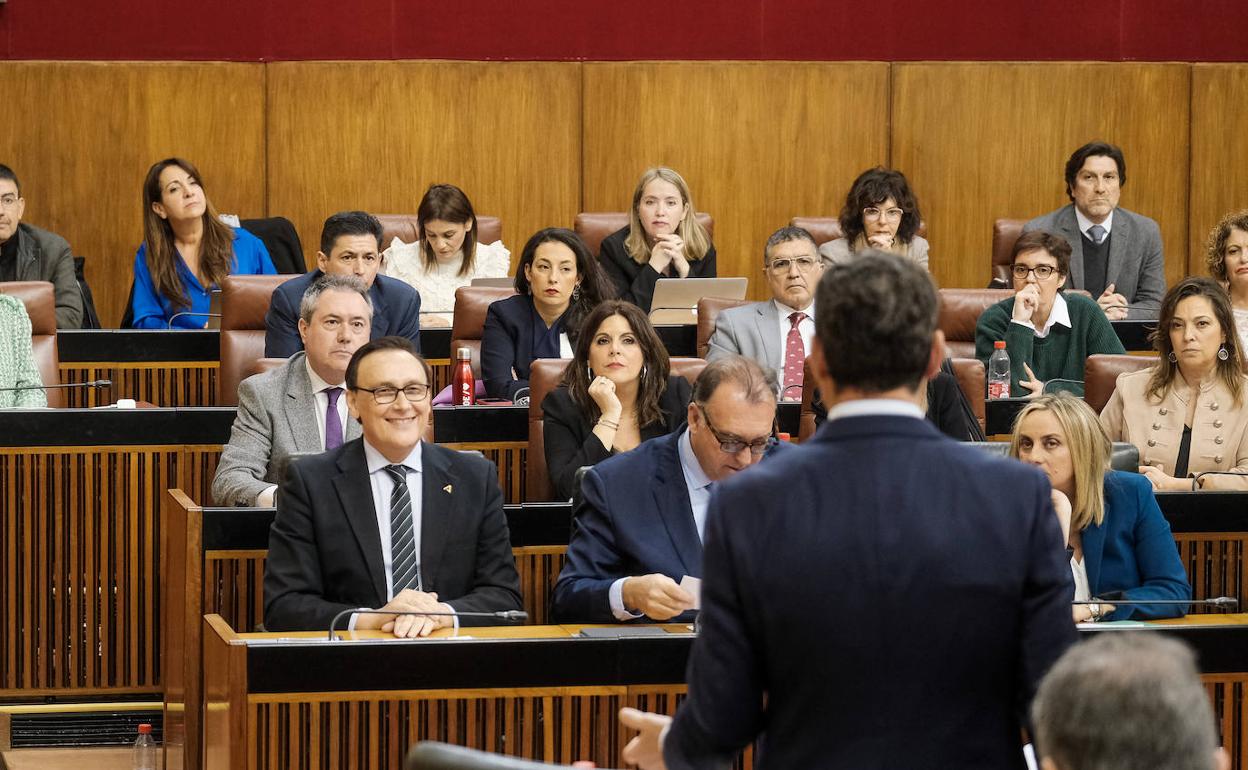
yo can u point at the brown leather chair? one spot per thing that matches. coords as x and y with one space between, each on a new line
1005 233
826 229
406 228
468 324
262 365
973 380
544 376
40 301
960 310
1100 375
709 309
244 301
593 226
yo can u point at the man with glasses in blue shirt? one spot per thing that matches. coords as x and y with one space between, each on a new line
427 520
638 532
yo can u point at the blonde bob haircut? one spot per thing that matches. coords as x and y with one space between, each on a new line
1089 447
697 243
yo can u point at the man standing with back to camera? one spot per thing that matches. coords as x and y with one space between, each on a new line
883 597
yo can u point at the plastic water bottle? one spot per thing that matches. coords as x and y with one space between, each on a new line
144 750
464 386
999 372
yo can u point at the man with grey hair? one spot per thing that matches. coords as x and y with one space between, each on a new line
638 531
1126 701
882 597
296 408
777 333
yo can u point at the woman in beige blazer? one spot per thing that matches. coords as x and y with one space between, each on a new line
1187 414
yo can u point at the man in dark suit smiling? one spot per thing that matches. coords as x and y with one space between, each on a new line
388 521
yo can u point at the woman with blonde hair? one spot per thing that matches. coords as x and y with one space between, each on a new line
1226 254
1186 413
662 240
1120 544
187 250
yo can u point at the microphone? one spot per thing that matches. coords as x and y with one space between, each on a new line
1119 597
520 400
63 386
1196 487
508 615
1047 383
784 392
176 316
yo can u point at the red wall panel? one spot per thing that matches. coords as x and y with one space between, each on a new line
890 30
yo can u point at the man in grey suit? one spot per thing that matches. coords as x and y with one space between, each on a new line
297 408
28 253
1116 253
777 333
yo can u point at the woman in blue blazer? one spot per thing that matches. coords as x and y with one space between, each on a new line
1120 544
557 283
187 250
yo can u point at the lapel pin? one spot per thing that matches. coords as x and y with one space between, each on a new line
447 489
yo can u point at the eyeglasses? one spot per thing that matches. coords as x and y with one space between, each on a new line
387 394
9 201
1042 271
733 445
781 266
873 213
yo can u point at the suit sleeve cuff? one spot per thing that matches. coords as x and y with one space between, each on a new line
615 595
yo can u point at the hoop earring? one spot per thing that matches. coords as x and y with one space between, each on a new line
1172 357
1223 353
643 373
589 368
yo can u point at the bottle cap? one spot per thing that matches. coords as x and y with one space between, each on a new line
784 436
145 729
999 344
464 354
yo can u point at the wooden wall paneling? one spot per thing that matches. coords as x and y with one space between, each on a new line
1219 151
758 142
375 135
81 136
980 141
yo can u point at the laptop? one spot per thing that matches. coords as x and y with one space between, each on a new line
214 310
676 299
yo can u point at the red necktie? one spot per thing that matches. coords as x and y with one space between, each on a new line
794 358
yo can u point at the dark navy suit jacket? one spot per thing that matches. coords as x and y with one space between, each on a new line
1133 552
634 519
884 597
507 346
396 310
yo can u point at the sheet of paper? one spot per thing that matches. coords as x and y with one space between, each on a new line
693 587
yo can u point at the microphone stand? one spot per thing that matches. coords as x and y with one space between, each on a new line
508 615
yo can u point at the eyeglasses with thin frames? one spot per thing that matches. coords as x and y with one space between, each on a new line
873 214
782 265
1043 272
387 394
733 445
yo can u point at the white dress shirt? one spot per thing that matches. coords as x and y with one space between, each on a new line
1084 223
699 486
806 328
1060 314
875 407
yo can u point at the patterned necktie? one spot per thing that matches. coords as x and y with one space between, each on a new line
404 566
333 423
1096 233
794 358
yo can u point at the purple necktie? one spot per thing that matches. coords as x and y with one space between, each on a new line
333 424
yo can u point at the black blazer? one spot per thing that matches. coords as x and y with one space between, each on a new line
507 345
635 283
570 440
947 409
922 581
396 311
325 548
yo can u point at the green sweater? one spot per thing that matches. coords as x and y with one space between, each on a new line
1060 355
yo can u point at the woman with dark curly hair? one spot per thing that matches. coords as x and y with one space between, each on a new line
1227 258
880 213
616 393
558 282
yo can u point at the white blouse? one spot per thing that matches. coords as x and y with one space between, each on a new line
1083 592
1241 324
405 262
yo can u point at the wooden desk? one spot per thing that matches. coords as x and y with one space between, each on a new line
80 494
292 700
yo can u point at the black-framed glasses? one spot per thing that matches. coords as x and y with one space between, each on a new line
732 444
873 214
386 394
1042 272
